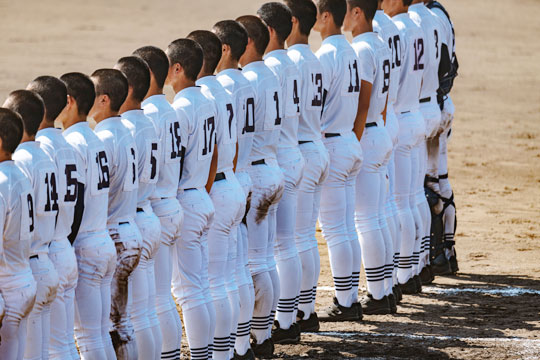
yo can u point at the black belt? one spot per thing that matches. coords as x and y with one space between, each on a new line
219 176
331 135
33 257
405 112
124 223
445 176
258 162
371 124
304 142
425 100
190 189
140 210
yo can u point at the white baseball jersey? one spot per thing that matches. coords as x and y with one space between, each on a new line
342 84
197 116
268 110
55 145
244 97
148 152
375 66
226 133
448 36
94 174
17 217
388 31
413 57
171 144
123 169
432 27
41 170
310 71
282 66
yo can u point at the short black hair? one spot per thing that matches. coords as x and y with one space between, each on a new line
234 34
157 61
137 74
29 106
211 47
113 83
306 13
188 54
407 2
82 89
11 129
257 31
338 9
278 17
369 7
53 92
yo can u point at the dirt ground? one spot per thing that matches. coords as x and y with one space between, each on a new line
494 164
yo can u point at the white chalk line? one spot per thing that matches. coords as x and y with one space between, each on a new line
508 291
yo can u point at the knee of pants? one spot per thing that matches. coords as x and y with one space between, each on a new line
284 250
47 286
127 259
257 262
139 314
445 188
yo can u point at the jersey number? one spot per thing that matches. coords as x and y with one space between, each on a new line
394 44
174 130
153 161
419 53
317 81
249 125
231 117
296 98
386 78
278 118
353 71
208 128
101 160
52 194
30 211
71 183
436 43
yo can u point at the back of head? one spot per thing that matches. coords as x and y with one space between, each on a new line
29 106
11 130
157 61
113 83
188 54
306 13
368 7
53 91
137 74
278 17
211 47
257 32
81 89
407 2
337 8
233 34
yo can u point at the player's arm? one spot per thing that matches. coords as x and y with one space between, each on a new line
363 108
235 160
213 170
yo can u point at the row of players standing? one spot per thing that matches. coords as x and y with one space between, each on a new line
256 151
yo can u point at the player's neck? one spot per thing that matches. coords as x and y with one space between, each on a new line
105 115
153 90
130 104
70 121
45 124
204 74
274 45
181 85
297 38
27 138
362 28
4 156
330 30
225 63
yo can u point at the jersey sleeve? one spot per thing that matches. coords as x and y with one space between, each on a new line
368 65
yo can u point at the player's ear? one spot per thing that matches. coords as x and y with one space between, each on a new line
225 49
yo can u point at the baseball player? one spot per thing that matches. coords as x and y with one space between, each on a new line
431 112
227 196
54 94
111 91
387 30
143 308
234 39
164 202
17 217
41 170
377 249
310 71
197 116
94 249
278 18
340 115
411 135
267 180
449 59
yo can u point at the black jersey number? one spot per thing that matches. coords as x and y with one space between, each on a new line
208 129
354 85
231 117
174 130
296 98
153 161
386 78
395 45
30 211
436 33
71 183
103 167
317 81
419 53
276 100
52 194
249 125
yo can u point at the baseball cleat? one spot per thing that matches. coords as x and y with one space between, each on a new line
339 312
453 263
249 355
409 288
441 266
266 349
398 294
371 306
392 303
425 276
285 336
310 324
418 283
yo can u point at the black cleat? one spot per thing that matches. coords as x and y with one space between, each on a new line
358 306
285 336
398 294
392 303
425 276
370 306
441 266
338 312
418 283
264 350
409 288
453 263
249 355
311 324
